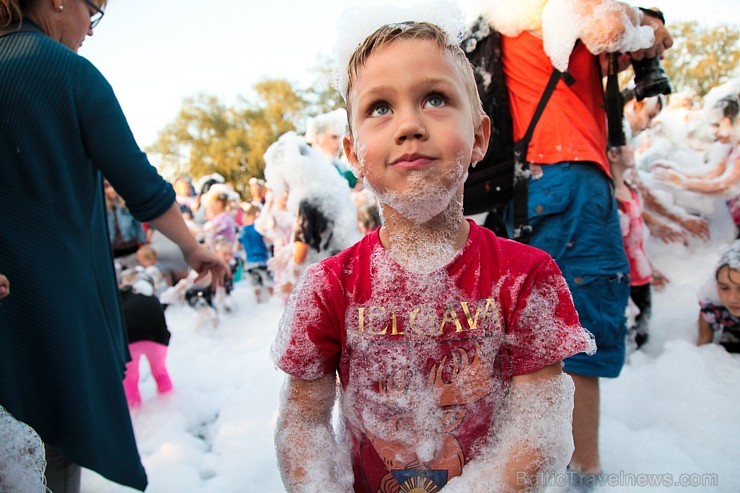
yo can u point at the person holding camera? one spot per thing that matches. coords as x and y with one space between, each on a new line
571 204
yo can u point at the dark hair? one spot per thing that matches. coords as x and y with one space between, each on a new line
312 225
729 106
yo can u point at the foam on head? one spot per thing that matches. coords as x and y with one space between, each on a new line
730 258
292 165
603 25
358 24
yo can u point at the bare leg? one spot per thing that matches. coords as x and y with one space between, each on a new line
586 425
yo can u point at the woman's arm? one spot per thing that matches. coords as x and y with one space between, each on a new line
172 225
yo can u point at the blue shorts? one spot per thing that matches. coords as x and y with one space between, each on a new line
574 218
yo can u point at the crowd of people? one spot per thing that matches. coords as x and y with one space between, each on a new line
461 357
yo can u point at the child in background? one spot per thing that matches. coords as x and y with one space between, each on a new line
719 316
447 341
146 257
275 224
256 254
147 332
219 221
225 250
642 273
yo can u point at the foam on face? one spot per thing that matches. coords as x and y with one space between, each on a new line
428 192
22 460
429 202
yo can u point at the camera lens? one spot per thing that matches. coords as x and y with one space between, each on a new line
650 78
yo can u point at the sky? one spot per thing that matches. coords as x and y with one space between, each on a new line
157 53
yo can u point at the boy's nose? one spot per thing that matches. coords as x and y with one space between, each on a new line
411 126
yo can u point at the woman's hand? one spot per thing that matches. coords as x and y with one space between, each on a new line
4 286
205 262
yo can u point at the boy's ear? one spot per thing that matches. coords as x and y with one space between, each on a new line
481 138
349 150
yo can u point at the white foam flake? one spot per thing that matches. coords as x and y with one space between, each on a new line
427 194
292 165
22 460
357 23
603 25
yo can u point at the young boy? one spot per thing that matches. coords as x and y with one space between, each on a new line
447 341
257 255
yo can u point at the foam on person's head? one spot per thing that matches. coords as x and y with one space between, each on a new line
602 25
292 165
356 24
731 257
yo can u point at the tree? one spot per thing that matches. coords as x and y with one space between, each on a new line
207 136
321 96
702 57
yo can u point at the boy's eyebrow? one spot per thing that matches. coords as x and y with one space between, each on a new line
429 81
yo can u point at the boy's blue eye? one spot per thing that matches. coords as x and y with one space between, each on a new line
379 109
436 100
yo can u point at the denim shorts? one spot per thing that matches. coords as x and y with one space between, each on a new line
574 218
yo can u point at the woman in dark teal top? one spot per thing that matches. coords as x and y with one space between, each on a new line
62 344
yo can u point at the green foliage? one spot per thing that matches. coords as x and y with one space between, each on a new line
209 136
702 57
322 97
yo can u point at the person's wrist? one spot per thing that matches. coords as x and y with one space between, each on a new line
189 247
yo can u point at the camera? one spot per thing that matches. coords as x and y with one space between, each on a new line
650 78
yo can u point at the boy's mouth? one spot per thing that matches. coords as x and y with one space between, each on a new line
413 161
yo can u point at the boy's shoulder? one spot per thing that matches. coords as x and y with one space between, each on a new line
506 250
359 251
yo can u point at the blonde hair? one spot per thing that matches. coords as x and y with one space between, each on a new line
147 252
13 11
251 209
391 33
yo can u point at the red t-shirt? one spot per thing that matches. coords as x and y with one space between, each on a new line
573 125
424 360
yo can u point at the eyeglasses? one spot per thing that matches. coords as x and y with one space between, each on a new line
96 16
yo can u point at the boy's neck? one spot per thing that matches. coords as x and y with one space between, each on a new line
424 247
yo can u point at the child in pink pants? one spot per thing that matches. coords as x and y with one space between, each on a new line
148 336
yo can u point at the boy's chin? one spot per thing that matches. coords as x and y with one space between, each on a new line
423 212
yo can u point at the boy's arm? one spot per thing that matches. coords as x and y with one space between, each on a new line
535 439
540 403
304 441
